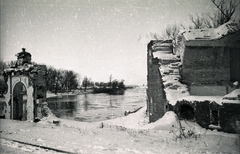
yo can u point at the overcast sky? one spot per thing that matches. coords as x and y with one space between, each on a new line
95 38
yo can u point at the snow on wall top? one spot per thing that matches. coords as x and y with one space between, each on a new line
212 33
164 55
161 45
23 68
231 98
170 76
217 99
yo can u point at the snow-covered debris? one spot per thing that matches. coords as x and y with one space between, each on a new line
164 69
169 70
174 92
233 97
173 88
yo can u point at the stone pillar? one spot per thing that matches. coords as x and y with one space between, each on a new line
30 105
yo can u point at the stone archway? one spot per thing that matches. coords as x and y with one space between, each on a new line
19 102
186 112
22 98
26 87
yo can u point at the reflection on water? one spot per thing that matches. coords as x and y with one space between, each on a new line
97 107
85 102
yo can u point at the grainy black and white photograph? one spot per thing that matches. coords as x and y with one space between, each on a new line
119 76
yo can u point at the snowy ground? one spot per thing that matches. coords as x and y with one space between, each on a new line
129 134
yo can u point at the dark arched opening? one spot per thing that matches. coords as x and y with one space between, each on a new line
186 112
19 102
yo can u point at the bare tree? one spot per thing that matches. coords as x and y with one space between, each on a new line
58 79
171 31
154 36
224 12
70 80
226 9
201 21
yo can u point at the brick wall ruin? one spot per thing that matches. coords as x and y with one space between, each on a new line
210 62
205 66
166 91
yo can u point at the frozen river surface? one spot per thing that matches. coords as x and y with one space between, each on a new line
97 107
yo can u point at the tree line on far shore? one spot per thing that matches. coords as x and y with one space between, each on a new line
113 84
60 80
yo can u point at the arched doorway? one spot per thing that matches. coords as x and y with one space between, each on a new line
19 102
186 112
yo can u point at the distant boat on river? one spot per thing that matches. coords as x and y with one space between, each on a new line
112 91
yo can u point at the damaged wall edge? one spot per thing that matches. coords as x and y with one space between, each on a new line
156 97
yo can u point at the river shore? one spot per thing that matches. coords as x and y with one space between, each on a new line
77 92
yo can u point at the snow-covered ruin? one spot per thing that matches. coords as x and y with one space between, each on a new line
197 77
26 88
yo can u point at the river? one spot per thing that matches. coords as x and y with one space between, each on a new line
97 107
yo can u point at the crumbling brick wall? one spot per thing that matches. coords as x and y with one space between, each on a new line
227 117
205 66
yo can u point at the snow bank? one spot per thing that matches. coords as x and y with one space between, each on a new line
233 94
170 123
233 97
133 121
68 123
165 123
